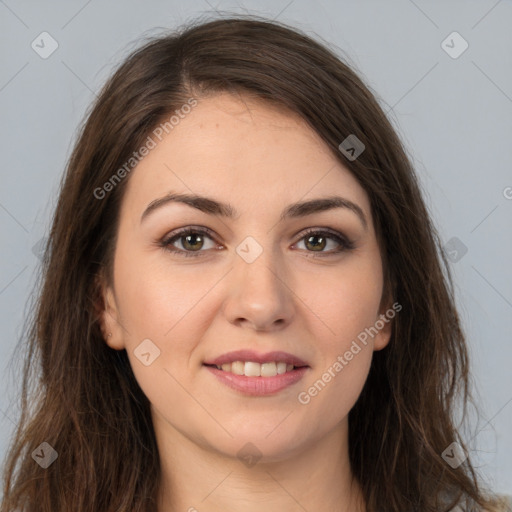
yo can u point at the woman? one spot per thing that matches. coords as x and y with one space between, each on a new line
244 299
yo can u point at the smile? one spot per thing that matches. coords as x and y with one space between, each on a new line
265 381
253 369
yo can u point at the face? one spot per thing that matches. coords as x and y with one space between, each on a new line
194 284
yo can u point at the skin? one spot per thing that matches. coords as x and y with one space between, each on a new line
259 159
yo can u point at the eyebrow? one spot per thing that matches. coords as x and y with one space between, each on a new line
217 208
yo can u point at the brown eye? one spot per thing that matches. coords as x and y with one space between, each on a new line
192 240
317 240
316 245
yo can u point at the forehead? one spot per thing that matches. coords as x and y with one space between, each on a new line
245 152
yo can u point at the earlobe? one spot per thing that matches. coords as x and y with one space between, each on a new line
387 312
384 324
108 318
382 338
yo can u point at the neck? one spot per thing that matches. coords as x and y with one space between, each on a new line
199 479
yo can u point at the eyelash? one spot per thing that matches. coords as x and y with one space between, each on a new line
166 242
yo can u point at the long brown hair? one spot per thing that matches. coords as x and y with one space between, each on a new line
86 403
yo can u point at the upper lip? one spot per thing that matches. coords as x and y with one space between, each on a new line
250 355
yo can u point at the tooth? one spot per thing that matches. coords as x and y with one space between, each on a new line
237 367
281 368
252 369
268 370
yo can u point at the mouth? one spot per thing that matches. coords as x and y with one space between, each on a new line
254 369
256 374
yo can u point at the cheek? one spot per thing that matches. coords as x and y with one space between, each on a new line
166 311
345 351
153 300
333 391
345 300
155 305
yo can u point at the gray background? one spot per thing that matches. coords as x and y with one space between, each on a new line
452 113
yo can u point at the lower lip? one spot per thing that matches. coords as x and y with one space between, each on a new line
258 386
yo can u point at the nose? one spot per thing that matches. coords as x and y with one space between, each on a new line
260 294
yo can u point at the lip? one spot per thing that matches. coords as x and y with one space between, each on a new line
251 355
259 386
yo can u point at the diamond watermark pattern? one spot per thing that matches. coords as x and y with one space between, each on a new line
454 455
147 352
352 147
454 45
44 45
249 249
249 455
38 249
45 455
455 249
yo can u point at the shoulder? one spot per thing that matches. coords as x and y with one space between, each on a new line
506 503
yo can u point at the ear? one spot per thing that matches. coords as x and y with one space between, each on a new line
382 338
108 314
384 323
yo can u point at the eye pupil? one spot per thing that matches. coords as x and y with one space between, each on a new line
187 243
320 245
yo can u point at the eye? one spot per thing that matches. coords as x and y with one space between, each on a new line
191 240
317 240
